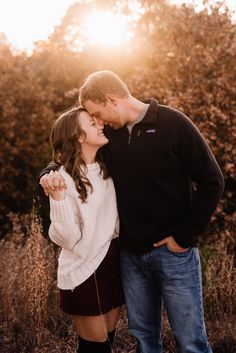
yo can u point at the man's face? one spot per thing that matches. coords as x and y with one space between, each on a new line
107 112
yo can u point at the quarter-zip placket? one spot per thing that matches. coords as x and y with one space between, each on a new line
131 134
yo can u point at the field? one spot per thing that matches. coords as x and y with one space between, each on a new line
32 322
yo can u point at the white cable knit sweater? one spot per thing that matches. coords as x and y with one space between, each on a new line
83 230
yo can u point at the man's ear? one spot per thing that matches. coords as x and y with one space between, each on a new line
113 100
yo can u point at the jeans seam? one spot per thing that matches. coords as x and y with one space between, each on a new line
200 301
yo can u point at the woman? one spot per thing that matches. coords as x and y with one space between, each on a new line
84 224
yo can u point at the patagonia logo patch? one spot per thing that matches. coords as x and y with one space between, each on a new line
151 131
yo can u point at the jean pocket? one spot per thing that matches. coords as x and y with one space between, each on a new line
178 253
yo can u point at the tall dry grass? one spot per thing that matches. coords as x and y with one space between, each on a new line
220 286
32 322
29 310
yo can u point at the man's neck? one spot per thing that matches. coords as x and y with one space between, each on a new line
134 108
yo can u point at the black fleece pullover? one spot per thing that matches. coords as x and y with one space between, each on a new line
166 178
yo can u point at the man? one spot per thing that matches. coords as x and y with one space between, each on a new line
168 185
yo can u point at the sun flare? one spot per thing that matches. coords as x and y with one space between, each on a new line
107 29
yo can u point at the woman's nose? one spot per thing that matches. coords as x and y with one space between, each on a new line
100 122
99 127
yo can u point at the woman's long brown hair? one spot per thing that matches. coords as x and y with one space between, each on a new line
64 139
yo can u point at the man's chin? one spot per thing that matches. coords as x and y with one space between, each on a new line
115 127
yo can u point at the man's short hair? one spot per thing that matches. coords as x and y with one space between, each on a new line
99 84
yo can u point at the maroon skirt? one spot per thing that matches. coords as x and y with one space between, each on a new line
101 292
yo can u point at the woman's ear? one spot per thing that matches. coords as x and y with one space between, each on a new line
81 139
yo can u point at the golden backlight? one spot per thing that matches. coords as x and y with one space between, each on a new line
106 28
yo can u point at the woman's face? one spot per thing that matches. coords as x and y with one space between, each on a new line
94 133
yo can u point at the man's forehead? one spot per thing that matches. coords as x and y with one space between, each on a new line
93 112
92 107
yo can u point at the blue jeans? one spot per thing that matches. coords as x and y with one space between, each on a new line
174 280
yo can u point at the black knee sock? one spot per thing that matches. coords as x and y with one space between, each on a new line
93 347
111 336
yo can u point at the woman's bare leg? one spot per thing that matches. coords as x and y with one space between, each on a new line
96 328
111 319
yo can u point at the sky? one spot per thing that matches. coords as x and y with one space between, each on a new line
26 21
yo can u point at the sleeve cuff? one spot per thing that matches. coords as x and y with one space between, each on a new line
182 239
60 211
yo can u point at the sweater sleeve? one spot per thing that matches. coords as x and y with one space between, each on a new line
64 230
200 165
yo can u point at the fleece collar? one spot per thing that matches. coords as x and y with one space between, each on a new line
152 112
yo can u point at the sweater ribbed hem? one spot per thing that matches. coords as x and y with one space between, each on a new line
79 275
